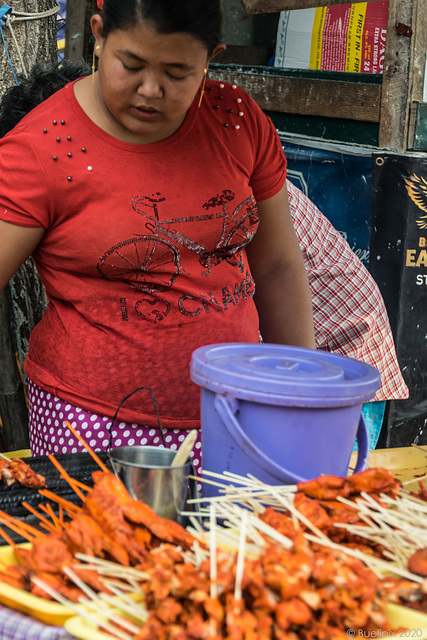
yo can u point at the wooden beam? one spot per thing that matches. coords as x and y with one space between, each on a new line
271 6
306 96
418 50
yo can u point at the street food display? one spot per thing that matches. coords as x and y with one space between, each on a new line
309 562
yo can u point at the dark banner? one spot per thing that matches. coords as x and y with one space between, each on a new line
338 179
399 265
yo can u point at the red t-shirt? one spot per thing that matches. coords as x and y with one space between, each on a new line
143 258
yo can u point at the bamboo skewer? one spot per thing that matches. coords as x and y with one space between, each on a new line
382 523
82 611
212 550
96 602
47 508
240 566
23 529
69 507
67 477
43 521
7 538
91 452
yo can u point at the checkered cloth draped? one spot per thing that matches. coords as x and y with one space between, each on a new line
17 626
349 312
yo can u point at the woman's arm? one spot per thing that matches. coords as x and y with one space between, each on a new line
16 245
282 293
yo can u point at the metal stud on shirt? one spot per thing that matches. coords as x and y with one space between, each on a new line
67 153
228 109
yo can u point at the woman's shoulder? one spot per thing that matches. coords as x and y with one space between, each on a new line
231 108
230 98
48 116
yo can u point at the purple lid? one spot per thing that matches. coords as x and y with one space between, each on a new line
282 374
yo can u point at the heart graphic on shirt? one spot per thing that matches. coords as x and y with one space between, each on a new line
152 310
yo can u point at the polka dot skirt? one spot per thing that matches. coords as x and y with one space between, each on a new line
49 434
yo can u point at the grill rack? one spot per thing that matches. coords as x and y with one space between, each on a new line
79 466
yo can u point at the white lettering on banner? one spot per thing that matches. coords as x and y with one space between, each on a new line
382 49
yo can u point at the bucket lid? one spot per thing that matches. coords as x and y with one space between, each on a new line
280 374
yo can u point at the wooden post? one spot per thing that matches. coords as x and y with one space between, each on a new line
35 39
395 99
417 65
75 30
78 38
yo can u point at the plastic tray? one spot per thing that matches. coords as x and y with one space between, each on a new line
47 611
399 617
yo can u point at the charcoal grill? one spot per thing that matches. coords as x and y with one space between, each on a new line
79 466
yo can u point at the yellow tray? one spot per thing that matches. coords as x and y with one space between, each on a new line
414 621
405 463
399 617
47 611
85 630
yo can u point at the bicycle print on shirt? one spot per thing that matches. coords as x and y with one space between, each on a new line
152 263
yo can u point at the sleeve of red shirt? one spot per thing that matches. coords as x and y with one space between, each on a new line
269 172
24 191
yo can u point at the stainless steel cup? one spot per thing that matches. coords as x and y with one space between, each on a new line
148 475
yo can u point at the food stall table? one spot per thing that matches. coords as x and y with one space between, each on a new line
407 464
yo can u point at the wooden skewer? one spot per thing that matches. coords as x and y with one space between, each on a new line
48 525
47 508
417 446
6 519
68 506
94 563
7 538
82 611
212 549
100 607
66 477
418 479
93 600
136 609
240 565
125 587
87 447
18 529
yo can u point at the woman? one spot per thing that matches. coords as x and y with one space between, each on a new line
138 191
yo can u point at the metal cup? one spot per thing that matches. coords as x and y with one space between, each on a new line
148 475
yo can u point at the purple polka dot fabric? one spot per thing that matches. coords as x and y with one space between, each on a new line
49 434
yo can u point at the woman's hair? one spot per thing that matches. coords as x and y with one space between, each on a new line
44 79
199 18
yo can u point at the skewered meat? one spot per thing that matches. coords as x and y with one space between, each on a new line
16 470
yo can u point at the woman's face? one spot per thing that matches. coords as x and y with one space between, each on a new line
147 80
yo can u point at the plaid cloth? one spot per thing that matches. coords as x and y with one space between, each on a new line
17 626
349 312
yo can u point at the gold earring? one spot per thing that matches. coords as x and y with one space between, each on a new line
203 88
93 62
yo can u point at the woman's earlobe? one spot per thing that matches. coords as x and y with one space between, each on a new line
218 49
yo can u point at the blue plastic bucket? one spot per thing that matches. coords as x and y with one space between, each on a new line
284 414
